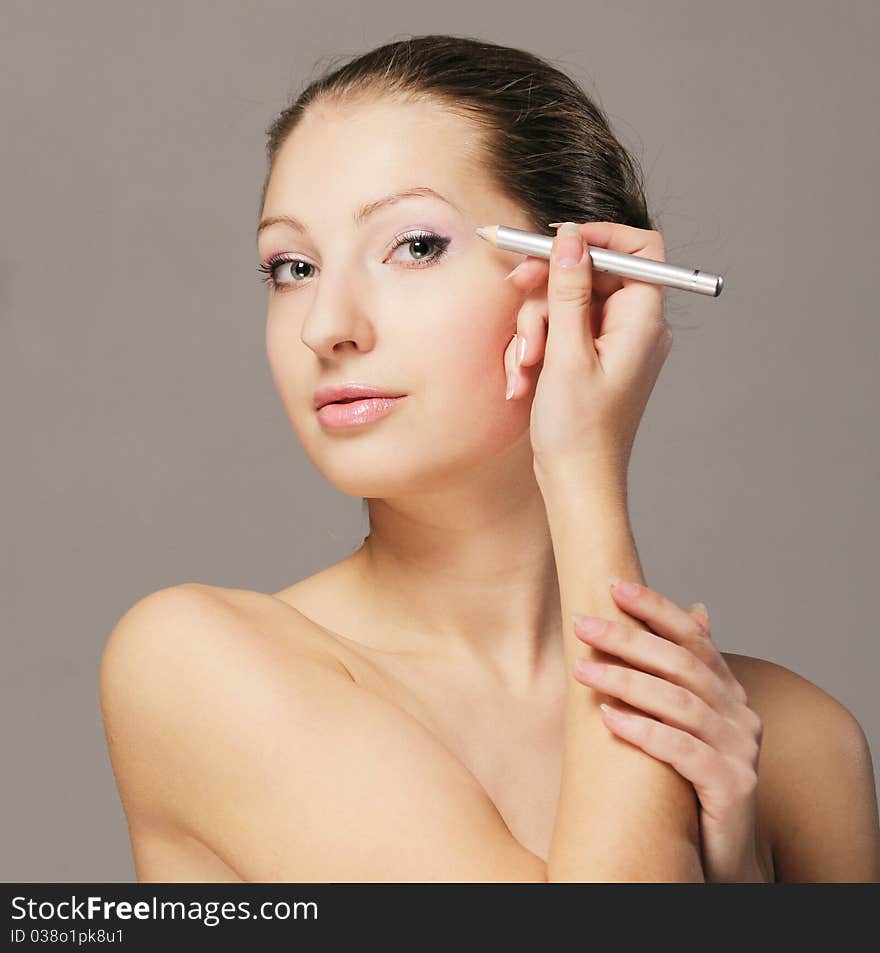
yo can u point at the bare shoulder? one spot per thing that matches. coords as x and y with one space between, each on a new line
816 788
775 690
231 721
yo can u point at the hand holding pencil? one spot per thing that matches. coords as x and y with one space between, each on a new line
601 341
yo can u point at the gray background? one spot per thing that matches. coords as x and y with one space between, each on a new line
145 444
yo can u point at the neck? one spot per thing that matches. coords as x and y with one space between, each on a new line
471 580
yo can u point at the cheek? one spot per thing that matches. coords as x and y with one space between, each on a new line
478 331
468 348
475 358
287 362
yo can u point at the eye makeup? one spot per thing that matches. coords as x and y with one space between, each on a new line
423 237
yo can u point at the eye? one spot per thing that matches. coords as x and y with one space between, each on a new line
439 242
269 267
421 239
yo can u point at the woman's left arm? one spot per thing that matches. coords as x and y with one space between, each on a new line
720 730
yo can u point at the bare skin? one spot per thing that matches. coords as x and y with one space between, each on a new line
398 715
503 748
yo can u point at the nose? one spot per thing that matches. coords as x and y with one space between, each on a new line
334 325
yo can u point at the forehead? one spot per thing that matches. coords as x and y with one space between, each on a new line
345 155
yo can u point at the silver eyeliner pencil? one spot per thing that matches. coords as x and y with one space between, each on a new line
614 262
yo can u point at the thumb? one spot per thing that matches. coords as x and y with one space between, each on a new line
569 295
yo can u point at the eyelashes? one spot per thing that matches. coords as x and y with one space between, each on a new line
439 242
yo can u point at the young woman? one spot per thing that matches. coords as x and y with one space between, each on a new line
415 712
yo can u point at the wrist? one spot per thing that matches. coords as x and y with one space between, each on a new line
591 475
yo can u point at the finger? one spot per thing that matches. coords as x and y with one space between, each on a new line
532 273
706 768
528 274
640 313
535 288
530 277
673 704
740 729
569 300
658 656
734 686
667 619
644 243
509 360
662 615
528 349
613 235
701 613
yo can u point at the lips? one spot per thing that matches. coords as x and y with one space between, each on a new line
337 415
347 393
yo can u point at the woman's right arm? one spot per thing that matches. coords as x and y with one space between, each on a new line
273 757
622 815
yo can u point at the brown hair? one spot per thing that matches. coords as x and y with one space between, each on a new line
546 143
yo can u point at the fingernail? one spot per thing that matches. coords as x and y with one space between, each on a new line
568 246
588 624
512 271
520 352
624 588
511 386
698 607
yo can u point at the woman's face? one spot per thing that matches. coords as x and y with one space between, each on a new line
430 318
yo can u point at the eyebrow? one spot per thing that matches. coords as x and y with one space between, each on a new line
364 212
